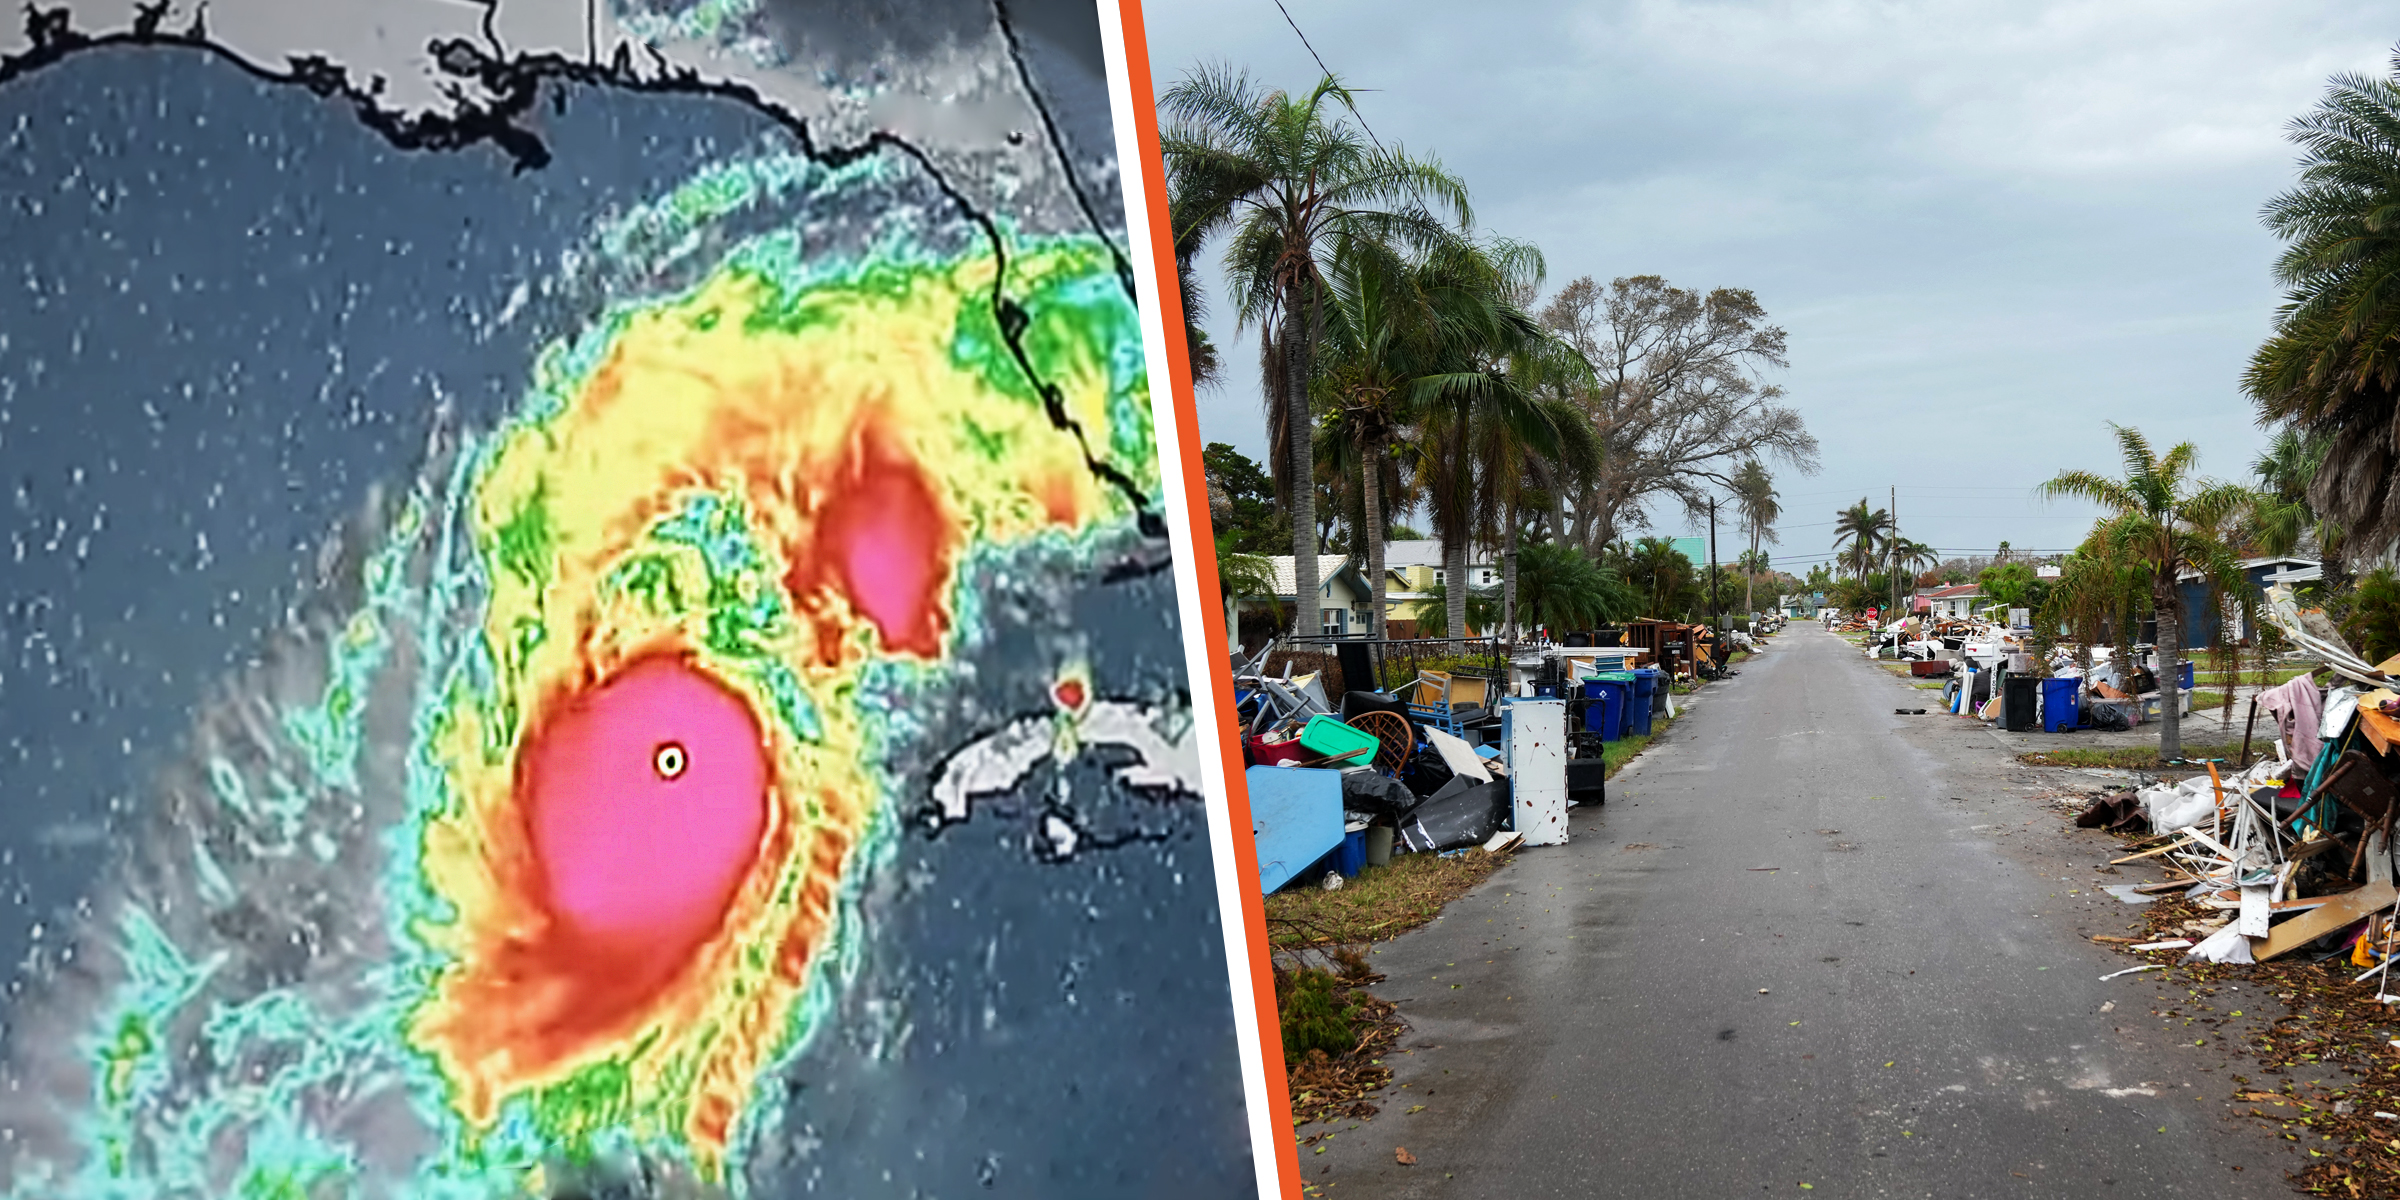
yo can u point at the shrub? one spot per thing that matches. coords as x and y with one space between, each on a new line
1312 1019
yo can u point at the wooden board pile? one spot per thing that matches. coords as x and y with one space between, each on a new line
2282 881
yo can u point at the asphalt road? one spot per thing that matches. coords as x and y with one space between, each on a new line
1904 1005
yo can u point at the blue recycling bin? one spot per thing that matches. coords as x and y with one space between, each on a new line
2186 665
1645 695
1350 857
1606 716
2059 704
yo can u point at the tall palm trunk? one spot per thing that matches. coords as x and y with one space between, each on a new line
1370 502
2170 681
1300 453
1750 577
1508 576
1454 569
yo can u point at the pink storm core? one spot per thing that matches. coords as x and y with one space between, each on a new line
647 800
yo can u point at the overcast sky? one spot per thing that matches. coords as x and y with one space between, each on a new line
1990 229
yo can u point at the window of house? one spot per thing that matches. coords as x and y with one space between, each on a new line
1487 575
1335 622
1437 576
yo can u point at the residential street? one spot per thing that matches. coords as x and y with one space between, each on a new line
1905 1005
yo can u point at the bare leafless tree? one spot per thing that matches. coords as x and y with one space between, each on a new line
1679 400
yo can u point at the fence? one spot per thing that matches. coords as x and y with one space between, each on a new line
1394 662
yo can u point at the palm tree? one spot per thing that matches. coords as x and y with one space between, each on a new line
1858 536
2162 520
2331 369
1658 571
1385 336
1911 556
1478 609
2284 517
1560 587
1755 499
1511 453
1481 417
1292 184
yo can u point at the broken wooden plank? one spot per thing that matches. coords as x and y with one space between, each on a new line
2336 912
2309 849
2214 846
2118 862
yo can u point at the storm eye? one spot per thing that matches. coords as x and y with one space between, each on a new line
669 760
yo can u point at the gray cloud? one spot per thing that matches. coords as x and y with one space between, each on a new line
1989 229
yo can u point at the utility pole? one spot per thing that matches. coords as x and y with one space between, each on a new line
1712 566
1892 550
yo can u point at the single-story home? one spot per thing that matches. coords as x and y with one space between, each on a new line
1341 593
1956 601
2260 572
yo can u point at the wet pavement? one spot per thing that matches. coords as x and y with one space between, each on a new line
1809 945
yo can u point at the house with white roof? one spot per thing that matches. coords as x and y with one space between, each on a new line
1341 594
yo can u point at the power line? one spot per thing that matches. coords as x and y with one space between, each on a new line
1312 53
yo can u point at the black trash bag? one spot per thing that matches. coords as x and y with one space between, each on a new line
2107 718
1425 774
1463 813
1376 794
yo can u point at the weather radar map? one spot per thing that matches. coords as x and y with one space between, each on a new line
585 613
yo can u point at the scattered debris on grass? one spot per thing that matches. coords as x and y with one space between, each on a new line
2130 758
1380 904
1335 1034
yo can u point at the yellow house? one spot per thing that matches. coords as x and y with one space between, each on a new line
1411 569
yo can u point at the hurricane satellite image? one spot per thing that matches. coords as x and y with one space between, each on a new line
585 612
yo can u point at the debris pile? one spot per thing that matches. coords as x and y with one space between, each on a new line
2294 851
1454 759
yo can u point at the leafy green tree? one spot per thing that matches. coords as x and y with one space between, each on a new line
2331 368
1678 398
2009 584
1862 592
1253 523
2162 519
1291 184
1243 577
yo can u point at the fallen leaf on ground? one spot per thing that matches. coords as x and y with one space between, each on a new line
1403 1157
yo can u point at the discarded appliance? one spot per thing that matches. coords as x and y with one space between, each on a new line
1534 735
